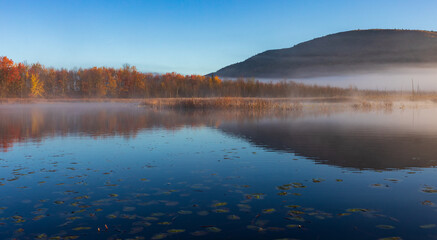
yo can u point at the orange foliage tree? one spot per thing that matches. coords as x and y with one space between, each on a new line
21 80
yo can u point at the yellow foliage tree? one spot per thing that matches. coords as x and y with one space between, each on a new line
112 86
37 89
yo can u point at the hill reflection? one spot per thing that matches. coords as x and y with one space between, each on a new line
352 140
373 140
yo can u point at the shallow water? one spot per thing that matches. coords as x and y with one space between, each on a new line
115 170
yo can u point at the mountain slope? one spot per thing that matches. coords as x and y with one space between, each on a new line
338 53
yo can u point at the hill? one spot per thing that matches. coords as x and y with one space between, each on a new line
345 52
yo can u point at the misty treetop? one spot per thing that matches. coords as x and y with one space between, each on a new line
22 80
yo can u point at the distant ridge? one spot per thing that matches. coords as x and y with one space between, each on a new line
344 52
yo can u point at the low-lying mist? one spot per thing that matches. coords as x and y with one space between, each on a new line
398 79
390 79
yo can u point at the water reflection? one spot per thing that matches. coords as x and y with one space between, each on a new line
371 140
355 140
34 122
117 171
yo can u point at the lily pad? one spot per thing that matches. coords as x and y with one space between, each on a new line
213 229
159 236
269 210
81 228
233 217
427 226
385 227
220 204
294 226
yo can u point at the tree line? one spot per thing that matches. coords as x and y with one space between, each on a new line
20 80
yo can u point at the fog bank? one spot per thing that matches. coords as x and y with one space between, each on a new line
400 79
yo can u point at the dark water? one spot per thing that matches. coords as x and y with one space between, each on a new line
68 170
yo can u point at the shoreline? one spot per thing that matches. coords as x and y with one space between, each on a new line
292 104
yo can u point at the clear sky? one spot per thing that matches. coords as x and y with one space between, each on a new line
194 36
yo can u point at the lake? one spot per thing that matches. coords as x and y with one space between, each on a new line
120 171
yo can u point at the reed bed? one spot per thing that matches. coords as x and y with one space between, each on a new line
368 106
284 104
250 104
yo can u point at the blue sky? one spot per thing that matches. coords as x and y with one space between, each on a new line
195 36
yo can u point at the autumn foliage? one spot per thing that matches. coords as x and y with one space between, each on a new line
21 80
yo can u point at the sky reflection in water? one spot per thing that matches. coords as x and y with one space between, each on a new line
67 170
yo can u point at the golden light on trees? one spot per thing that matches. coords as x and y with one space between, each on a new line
21 80
37 89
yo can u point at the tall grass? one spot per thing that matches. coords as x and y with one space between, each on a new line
227 103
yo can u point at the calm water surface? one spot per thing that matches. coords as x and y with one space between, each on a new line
118 171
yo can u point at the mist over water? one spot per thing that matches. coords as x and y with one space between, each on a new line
394 79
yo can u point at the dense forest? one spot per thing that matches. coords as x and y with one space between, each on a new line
18 80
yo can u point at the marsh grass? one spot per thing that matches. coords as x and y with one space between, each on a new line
385 105
227 103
